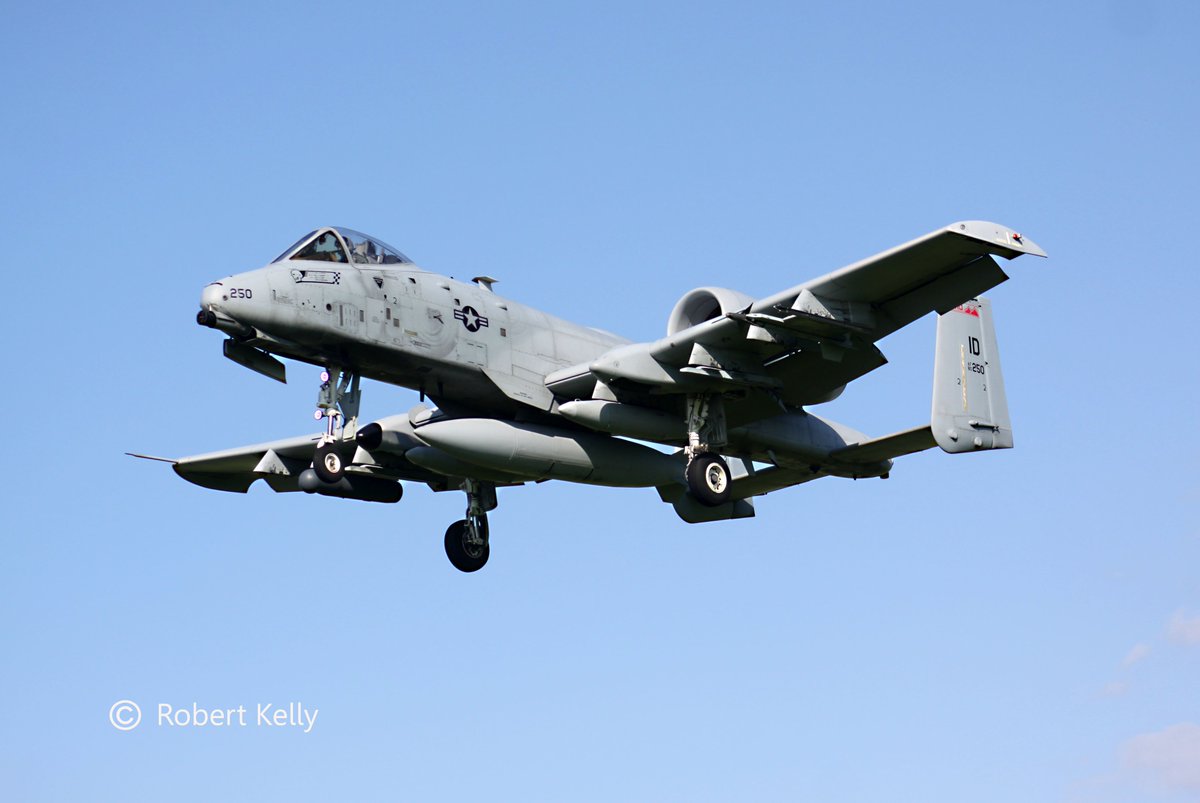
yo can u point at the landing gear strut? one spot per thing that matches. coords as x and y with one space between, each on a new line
467 540
707 472
337 403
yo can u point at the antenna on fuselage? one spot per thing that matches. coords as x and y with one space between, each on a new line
485 282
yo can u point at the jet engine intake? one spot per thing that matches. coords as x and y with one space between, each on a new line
704 304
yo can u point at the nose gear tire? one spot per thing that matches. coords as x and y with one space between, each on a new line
463 554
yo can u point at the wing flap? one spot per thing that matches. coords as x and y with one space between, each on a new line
801 323
946 292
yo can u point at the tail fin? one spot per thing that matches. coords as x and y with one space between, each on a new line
970 411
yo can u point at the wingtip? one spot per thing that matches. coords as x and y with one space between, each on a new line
1006 238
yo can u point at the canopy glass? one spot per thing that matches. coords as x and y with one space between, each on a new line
339 244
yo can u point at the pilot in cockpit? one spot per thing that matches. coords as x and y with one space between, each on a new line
364 252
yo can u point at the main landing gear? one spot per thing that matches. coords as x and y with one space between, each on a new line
707 473
467 540
337 403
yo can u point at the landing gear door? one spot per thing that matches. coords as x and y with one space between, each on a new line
349 317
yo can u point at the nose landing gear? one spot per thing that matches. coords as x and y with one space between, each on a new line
467 544
337 403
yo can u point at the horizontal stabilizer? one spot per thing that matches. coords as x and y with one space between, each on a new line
888 447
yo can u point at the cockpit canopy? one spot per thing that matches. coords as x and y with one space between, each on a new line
338 244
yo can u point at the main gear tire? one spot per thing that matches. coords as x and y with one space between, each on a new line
708 479
328 463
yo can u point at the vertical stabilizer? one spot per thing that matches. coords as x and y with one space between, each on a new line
970 411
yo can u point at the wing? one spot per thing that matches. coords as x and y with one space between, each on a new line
803 345
280 463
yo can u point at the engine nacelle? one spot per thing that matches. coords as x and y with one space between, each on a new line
704 304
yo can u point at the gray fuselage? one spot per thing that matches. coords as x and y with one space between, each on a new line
459 343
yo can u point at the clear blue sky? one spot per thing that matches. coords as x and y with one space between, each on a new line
1013 626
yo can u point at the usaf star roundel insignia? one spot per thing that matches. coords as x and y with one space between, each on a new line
470 318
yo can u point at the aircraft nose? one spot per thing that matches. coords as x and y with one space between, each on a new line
210 296
214 312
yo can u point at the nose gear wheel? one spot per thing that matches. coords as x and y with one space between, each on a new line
467 544
337 403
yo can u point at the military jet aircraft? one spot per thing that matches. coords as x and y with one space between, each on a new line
522 396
